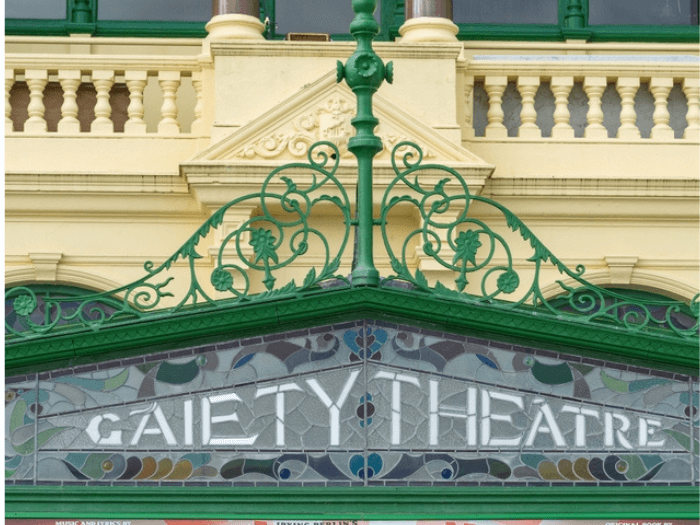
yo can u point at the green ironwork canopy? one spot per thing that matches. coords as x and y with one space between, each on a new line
283 232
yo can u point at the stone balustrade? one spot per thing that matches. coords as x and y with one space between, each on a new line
582 97
102 95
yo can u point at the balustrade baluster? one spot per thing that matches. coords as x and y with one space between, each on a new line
627 87
103 81
9 82
70 82
594 88
528 116
691 88
561 87
199 106
469 107
169 82
660 88
136 82
36 81
495 86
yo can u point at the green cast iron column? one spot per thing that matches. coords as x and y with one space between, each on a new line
364 72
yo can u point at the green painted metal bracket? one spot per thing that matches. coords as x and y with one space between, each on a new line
282 232
353 503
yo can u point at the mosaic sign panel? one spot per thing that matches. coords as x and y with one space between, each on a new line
364 403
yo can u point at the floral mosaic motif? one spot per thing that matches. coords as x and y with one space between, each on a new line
12 464
116 466
446 467
577 373
96 385
174 374
439 353
365 343
623 467
691 410
618 385
22 423
559 374
12 393
292 354
682 437
286 467
370 470
440 467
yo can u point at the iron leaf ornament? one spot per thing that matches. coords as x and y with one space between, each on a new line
279 232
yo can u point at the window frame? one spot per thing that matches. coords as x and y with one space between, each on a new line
392 17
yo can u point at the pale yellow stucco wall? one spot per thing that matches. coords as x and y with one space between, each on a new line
89 209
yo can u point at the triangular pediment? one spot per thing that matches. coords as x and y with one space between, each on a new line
323 111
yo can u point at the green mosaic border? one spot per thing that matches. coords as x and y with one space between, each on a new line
352 503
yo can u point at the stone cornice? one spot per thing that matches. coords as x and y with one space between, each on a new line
389 50
633 187
118 63
482 47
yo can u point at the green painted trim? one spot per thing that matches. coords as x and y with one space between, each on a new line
155 29
509 32
674 34
660 34
366 503
14 26
138 337
18 26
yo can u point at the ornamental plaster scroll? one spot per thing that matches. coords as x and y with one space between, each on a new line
330 121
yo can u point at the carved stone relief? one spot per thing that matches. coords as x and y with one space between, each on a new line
330 121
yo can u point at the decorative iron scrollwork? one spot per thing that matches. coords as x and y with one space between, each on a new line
463 243
278 234
281 232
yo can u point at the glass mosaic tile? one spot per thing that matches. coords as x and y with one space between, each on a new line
362 402
22 404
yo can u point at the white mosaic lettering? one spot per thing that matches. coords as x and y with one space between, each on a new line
208 420
334 408
93 430
468 413
279 390
610 431
188 422
645 432
581 414
487 416
396 380
163 427
486 423
552 428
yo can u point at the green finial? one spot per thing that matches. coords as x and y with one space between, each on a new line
364 68
364 72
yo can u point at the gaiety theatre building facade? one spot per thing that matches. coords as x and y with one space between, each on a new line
456 282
